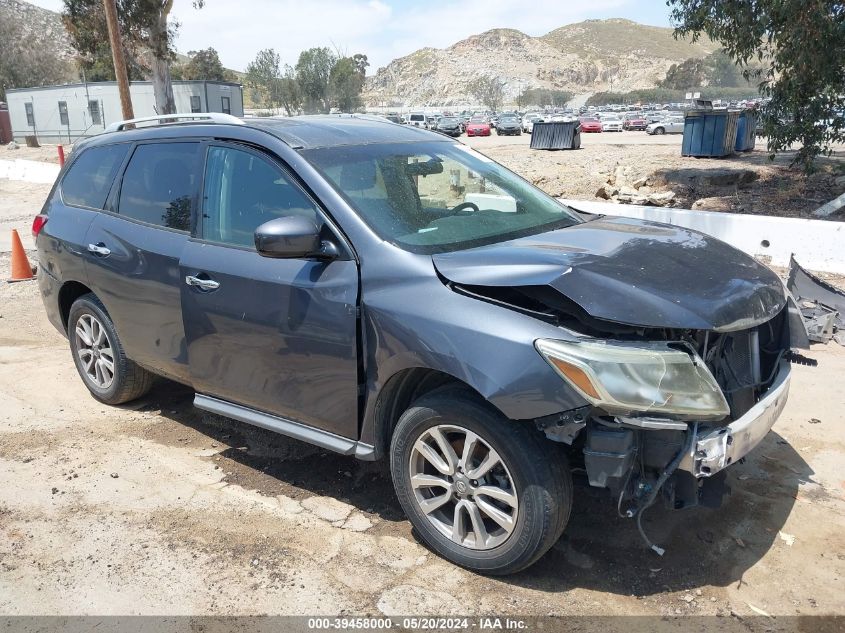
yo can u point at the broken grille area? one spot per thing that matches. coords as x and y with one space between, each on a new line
745 363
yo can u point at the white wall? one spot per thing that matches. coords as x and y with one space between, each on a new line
818 244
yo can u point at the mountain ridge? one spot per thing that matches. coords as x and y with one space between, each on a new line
584 57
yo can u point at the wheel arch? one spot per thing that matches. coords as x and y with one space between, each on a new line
400 391
68 293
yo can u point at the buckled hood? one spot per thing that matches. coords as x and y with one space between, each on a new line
630 272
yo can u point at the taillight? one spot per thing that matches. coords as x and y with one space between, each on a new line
38 224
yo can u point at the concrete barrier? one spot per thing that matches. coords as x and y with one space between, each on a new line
818 244
28 170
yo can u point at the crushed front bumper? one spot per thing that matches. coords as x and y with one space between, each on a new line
715 449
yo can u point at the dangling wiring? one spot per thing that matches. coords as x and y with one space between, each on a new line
670 469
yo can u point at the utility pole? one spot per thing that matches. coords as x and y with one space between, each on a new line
117 57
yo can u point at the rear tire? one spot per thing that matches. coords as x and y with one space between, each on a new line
530 478
99 357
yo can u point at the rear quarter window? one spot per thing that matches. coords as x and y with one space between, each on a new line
89 179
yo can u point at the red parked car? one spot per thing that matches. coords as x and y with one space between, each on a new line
635 122
478 126
590 124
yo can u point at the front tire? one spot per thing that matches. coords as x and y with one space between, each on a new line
484 492
659 131
99 357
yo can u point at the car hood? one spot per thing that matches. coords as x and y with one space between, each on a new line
630 272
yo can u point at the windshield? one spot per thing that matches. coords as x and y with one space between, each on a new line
448 121
435 197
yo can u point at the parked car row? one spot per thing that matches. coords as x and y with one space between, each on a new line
514 124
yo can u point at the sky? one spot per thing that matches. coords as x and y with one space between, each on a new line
381 29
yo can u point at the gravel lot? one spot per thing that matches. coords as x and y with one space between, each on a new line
158 508
742 183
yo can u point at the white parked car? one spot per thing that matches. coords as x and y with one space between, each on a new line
611 124
669 125
528 121
417 120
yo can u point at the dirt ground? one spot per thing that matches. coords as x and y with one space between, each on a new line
159 508
742 183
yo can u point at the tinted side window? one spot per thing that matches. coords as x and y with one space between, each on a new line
89 179
158 185
243 191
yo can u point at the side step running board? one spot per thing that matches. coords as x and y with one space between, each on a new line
298 431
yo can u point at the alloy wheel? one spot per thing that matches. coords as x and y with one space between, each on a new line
463 487
94 350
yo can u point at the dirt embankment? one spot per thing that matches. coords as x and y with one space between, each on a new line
633 164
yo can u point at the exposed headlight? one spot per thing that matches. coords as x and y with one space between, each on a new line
653 377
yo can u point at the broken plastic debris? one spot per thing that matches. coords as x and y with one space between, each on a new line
787 538
757 610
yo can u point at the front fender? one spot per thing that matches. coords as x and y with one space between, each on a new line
423 324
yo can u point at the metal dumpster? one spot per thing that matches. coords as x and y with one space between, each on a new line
746 127
709 133
556 135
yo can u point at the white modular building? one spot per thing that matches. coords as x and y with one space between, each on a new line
65 113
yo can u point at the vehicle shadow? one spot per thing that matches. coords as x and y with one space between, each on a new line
599 550
604 552
274 464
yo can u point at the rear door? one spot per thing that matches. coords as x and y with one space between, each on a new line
134 249
275 335
73 206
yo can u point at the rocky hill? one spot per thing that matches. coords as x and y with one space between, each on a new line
586 57
47 30
42 25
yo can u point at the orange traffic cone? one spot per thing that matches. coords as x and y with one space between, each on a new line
21 270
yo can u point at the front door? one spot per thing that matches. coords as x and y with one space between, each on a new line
276 335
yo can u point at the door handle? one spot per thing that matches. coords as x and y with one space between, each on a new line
98 249
202 284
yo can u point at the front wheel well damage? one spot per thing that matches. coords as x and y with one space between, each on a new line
401 391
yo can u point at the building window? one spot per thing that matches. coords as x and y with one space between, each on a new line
63 119
225 104
196 105
30 117
94 111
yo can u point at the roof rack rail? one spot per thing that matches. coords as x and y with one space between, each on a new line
214 117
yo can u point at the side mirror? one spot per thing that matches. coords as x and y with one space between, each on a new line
289 237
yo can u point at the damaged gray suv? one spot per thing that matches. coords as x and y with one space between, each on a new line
386 292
